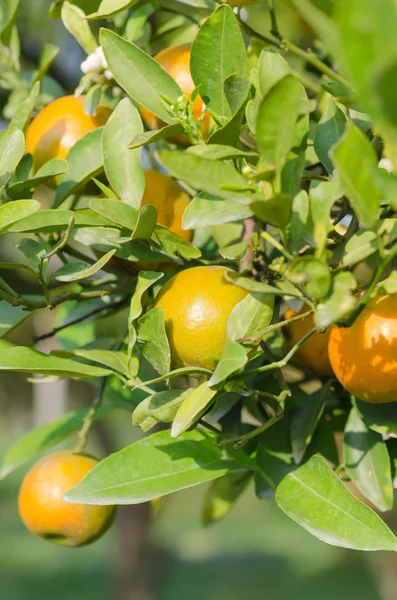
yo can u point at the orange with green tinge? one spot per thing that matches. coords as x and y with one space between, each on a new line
197 304
45 513
314 352
364 356
176 61
58 127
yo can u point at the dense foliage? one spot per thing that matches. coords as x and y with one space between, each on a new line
289 165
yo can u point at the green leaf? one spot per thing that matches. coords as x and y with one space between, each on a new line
57 220
115 360
52 168
145 224
149 137
139 75
85 160
109 8
74 20
251 285
367 462
329 130
299 222
205 210
117 212
234 251
357 164
379 417
250 316
153 341
41 439
201 173
305 421
12 148
223 494
277 117
272 68
221 152
233 359
229 133
315 498
339 303
218 51
12 212
48 55
26 360
274 456
368 54
75 271
11 317
194 405
276 210
174 245
161 466
123 167
23 113
159 408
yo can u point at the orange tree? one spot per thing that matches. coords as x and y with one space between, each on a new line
286 115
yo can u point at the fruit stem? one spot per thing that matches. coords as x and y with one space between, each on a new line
89 419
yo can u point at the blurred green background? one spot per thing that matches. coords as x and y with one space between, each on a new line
256 553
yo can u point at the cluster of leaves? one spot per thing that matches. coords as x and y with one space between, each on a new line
287 190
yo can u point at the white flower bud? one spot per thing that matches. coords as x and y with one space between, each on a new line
84 66
385 163
117 91
108 74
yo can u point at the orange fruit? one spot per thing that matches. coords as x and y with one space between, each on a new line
364 356
314 352
58 127
176 61
169 199
45 513
197 304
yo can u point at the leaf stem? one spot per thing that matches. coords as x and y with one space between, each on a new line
257 337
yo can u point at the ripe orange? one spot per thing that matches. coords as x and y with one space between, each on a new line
169 199
364 356
176 61
58 127
314 352
197 303
46 514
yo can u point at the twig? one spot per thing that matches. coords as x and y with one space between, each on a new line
257 337
89 419
97 311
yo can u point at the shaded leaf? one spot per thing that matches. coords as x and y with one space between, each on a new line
160 407
152 339
192 408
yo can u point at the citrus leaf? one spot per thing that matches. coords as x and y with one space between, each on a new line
329 130
218 51
58 220
379 417
367 461
139 75
23 113
160 407
123 167
357 164
305 421
233 359
148 137
277 117
109 8
316 498
11 317
250 316
75 271
85 160
74 20
12 212
117 212
12 148
161 465
192 408
52 168
223 494
27 360
205 210
153 341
